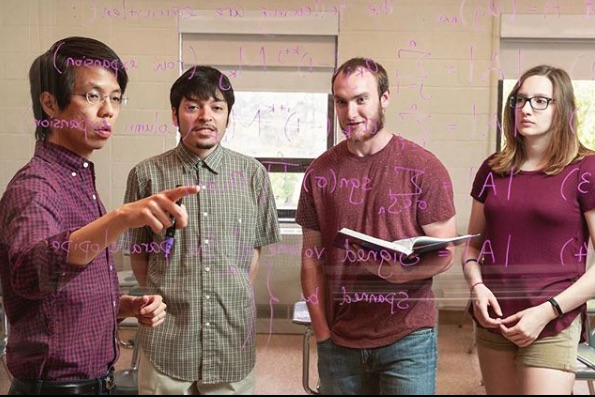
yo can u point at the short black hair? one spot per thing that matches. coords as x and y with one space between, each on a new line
54 72
202 82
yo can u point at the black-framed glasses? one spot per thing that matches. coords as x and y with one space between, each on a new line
536 102
95 98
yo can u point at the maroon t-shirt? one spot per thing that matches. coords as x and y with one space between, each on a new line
389 195
536 238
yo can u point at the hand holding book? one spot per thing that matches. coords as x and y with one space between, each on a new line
407 246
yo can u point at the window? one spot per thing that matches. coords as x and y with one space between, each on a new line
281 69
566 41
584 91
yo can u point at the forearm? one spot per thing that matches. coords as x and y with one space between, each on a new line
126 307
254 265
139 264
314 291
578 293
470 261
92 239
427 265
420 268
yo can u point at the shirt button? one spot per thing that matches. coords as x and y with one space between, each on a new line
207 297
205 214
206 241
207 324
73 173
203 187
85 164
207 269
94 197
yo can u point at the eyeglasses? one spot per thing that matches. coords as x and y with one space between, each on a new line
536 102
94 98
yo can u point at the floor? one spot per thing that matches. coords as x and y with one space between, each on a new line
279 361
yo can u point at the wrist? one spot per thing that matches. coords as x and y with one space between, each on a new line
469 260
475 285
556 307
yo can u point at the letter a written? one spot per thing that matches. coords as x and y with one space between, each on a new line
489 183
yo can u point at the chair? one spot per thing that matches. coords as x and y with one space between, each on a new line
586 362
126 380
586 352
4 336
302 316
128 285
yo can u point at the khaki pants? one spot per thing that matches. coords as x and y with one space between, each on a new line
153 381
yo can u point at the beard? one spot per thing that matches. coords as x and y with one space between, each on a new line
205 146
373 124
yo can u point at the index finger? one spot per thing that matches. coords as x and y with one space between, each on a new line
177 193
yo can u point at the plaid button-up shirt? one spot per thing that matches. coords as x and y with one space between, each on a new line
209 331
62 317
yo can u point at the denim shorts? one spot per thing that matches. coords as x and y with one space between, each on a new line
407 366
556 352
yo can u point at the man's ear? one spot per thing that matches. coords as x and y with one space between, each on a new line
174 116
49 104
385 99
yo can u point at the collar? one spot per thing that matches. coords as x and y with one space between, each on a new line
192 161
59 154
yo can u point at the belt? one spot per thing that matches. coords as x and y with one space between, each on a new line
88 386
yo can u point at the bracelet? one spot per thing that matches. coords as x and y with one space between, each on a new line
475 285
556 306
470 260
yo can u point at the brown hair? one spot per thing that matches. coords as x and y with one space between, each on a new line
564 148
353 64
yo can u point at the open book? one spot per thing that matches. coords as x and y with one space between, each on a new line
407 246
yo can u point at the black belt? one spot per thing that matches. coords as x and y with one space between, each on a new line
90 386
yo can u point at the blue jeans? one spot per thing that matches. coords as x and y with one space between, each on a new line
406 367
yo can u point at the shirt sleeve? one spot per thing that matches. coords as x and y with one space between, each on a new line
586 184
306 215
267 224
137 188
38 247
483 182
436 202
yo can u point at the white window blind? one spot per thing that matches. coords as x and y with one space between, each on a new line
565 41
264 53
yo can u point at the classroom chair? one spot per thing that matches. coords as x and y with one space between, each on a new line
586 351
126 380
128 284
4 337
302 316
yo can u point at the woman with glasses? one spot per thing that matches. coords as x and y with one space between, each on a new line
534 205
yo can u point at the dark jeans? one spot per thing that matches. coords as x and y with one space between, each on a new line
406 367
